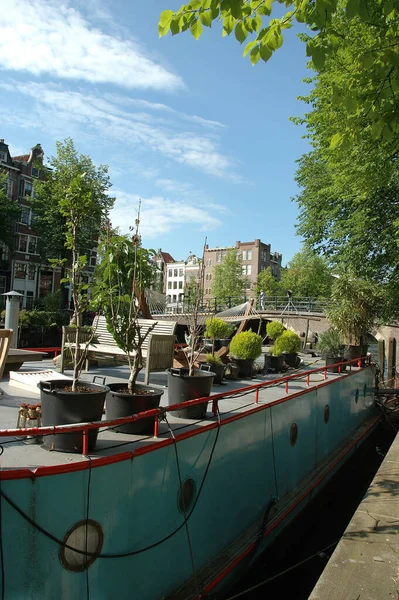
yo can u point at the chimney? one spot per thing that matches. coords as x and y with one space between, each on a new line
2 141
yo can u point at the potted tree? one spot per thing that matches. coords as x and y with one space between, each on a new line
288 344
125 270
245 347
79 191
330 345
188 383
217 332
356 304
274 359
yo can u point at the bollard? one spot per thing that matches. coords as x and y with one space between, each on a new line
12 315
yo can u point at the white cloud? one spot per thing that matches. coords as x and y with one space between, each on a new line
159 215
58 111
50 37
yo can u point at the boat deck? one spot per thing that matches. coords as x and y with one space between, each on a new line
18 454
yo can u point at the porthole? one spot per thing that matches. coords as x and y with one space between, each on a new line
186 494
86 536
326 413
293 434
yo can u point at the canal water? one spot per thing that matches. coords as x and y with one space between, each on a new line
316 532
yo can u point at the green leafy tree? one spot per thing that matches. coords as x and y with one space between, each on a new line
307 274
229 282
126 270
268 283
9 211
349 183
70 203
373 81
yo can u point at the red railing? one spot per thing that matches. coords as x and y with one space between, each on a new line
157 412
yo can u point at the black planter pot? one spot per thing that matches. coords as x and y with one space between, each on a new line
357 352
332 360
274 363
218 370
66 408
181 388
290 359
125 405
245 366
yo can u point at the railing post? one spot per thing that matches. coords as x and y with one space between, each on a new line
257 396
85 450
156 427
286 387
215 408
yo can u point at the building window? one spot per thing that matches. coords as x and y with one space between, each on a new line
35 172
3 251
10 186
32 246
46 283
244 255
31 272
3 156
210 276
29 300
170 273
22 243
246 269
175 271
169 285
180 285
180 272
28 189
20 270
219 257
25 213
174 298
175 285
181 297
249 255
249 269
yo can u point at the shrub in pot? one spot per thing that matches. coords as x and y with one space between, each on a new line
274 360
245 347
356 304
218 332
214 363
288 343
274 329
330 345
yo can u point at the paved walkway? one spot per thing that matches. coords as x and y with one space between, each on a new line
365 564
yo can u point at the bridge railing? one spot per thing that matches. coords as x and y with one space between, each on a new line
272 303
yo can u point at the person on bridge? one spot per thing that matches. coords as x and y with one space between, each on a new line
262 298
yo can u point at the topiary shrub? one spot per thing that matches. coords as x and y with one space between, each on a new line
216 329
289 341
274 329
213 359
246 345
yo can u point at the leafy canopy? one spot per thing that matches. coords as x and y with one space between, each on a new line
229 282
374 76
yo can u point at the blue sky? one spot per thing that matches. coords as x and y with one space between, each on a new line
190 127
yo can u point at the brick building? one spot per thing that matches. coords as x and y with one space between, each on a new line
22 268
256 257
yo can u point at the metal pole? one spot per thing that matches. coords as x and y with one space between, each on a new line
12 315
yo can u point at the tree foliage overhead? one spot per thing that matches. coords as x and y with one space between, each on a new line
350 190
229 282
370 96
9 211
268 283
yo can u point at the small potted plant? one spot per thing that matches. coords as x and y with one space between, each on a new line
274 359
125 270
216 332
330 345
288 344
189 383
245 347
356 304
